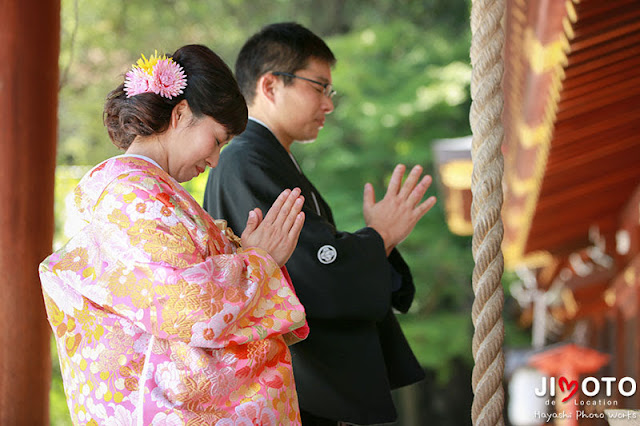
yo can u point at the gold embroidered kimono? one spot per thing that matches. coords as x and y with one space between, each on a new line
159 318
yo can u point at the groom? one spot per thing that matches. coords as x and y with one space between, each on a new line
348 282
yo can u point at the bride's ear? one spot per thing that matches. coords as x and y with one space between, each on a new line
181 114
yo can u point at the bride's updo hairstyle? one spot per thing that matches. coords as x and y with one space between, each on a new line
142 104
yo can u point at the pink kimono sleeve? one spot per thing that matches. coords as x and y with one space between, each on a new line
153 273
302 332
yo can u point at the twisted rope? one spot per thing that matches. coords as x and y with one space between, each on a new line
487 40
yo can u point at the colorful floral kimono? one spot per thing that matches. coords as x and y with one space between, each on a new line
160 317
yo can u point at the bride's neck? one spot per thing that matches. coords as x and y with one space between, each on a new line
151 147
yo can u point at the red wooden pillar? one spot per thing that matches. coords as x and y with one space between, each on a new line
29 48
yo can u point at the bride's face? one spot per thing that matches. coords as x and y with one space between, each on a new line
195 145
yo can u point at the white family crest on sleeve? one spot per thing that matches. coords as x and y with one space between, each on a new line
327 254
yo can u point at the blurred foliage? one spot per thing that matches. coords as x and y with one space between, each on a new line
402 77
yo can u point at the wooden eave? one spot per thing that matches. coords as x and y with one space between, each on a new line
572 123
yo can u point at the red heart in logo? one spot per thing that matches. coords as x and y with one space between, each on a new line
572 387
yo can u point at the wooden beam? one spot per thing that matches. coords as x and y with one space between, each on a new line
604 95
590 10
627 92
629 229
595 51
585 81
606 27
29 46
594 189
619 142
604 61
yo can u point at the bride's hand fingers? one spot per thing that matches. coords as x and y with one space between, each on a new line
275 208
287 206
259 214
293 213
296 228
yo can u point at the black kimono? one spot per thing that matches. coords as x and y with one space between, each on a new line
356 351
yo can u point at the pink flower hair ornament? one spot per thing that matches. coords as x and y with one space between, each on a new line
158 74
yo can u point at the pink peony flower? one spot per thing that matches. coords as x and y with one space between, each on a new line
159 75
169 79
136 82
